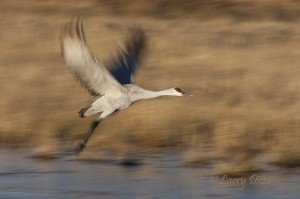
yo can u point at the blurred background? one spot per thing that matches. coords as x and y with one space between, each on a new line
239 58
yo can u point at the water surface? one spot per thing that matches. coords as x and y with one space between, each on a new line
161 175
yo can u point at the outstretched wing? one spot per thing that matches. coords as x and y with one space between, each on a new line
82 63
124 65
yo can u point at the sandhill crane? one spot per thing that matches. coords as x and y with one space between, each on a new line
111 85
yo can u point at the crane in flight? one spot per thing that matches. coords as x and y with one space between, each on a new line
111 86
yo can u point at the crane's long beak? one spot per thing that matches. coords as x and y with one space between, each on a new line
187 94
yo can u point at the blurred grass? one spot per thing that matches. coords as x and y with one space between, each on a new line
240 59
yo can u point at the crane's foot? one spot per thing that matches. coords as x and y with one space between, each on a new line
79 148
82 144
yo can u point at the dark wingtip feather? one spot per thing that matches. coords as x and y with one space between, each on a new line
79 30
137 41
124 65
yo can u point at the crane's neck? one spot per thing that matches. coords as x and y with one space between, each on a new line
141 94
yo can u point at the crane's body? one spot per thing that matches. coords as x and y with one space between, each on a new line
111 86
111 103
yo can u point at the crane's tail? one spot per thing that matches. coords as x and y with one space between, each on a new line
82 112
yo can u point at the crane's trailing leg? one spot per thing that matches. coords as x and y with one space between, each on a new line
90 131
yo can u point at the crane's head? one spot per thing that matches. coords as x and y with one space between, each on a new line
179 92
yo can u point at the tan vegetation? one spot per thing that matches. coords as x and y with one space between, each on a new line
240 59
